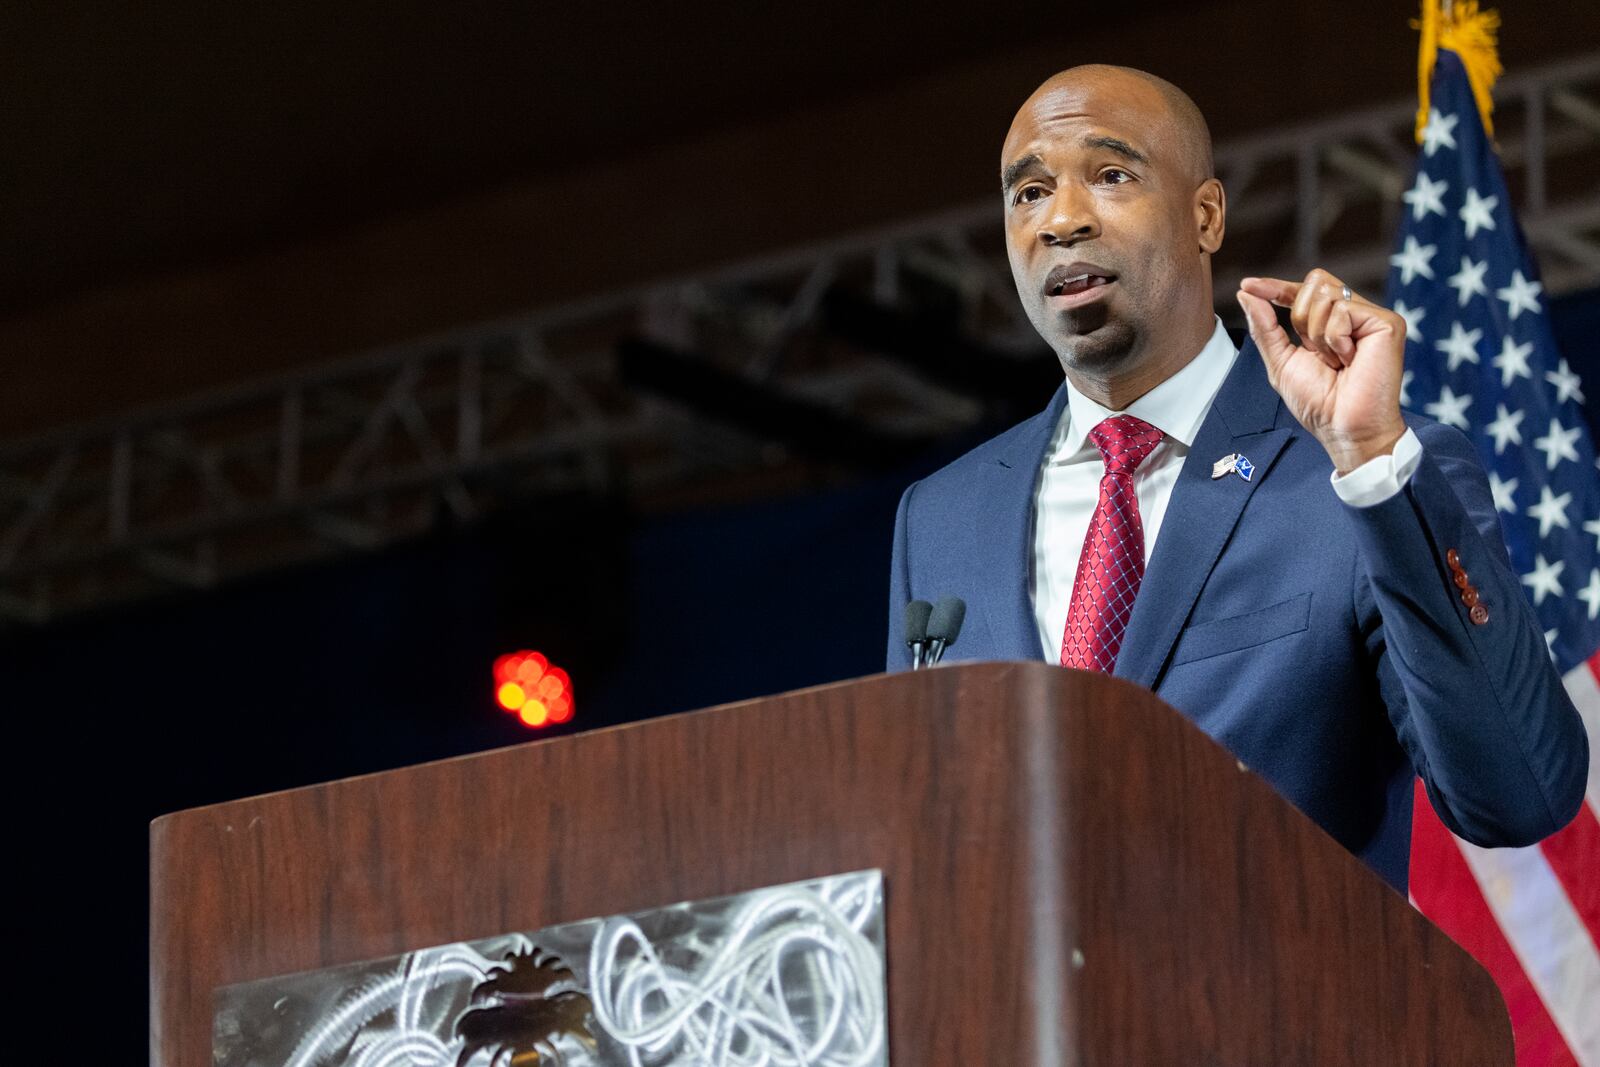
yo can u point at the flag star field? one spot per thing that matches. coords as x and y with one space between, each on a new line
1480 356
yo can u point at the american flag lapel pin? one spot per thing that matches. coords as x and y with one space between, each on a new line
1235 463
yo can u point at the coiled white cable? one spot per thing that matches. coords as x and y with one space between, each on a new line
405 991
786 947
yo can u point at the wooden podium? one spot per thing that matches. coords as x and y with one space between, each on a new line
1073 873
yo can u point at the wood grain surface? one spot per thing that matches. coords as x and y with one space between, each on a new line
1074 874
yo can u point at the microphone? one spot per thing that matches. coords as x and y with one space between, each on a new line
944 626
917 613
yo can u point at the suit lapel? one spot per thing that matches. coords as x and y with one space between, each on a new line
1202 514
1004 516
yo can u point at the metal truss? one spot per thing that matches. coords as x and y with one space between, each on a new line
793 371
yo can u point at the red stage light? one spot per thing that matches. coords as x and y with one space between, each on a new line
537 693
534 713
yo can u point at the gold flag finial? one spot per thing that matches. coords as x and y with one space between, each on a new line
1461 27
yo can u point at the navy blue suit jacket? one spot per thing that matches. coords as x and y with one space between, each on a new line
1326 646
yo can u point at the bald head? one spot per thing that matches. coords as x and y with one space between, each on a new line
1112 216
1180 128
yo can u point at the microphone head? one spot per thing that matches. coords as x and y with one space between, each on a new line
917 613
946 619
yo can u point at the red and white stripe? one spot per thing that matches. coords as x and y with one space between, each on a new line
1531 916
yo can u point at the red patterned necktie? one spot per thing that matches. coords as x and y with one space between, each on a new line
1112 564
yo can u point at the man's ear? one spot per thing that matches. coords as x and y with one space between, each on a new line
1210 214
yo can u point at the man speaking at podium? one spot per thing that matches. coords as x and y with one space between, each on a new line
1259 536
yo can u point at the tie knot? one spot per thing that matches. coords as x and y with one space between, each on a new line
1124 442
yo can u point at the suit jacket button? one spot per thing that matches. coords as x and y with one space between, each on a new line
1479 614
1469 596
1461 579
1453 558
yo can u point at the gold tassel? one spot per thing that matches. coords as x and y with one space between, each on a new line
1468 32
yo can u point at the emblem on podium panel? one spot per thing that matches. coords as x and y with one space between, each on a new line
790 975
525 1006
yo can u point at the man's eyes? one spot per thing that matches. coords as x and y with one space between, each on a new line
1032 194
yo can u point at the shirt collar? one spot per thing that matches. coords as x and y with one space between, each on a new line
1176 407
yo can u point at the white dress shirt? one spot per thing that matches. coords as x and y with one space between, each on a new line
1068 486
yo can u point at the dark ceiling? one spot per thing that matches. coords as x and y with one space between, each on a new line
156 137
148 137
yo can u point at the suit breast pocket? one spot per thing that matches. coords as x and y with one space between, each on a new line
1220 636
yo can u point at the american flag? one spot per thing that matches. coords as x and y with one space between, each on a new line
1480 356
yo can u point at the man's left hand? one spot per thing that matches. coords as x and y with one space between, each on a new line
1342 381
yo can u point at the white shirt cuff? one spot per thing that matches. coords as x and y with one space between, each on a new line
1381 477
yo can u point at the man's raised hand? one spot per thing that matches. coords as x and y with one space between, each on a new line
1342 381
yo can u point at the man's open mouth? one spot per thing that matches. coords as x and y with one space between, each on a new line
1074 278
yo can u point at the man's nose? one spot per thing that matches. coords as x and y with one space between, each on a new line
1072 220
